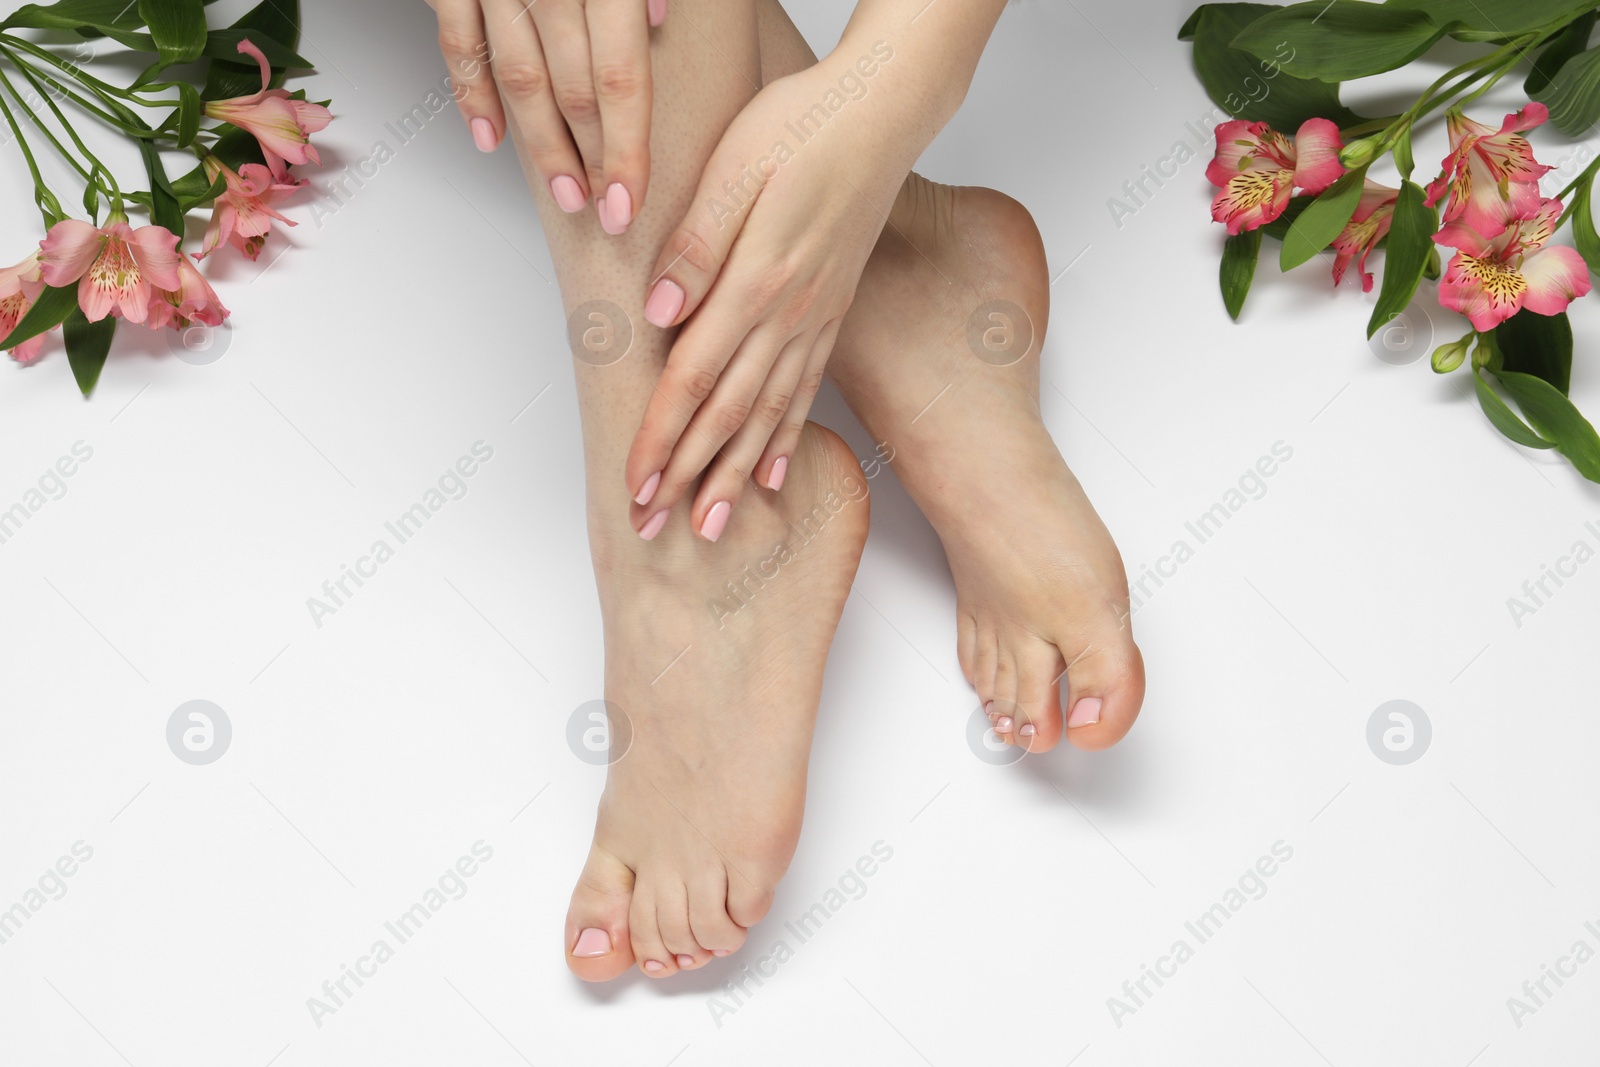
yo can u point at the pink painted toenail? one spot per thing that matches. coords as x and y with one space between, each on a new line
649 530
685 961
1085 712
716 520
591 943
1027 730
1002 725
654 966
780 471
647 491
720 952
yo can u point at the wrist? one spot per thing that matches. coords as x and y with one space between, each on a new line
898 113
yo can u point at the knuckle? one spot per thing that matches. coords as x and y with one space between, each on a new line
728 416
773 406
618 83
697 382
577 103
458 44
694 250
811 382
521 81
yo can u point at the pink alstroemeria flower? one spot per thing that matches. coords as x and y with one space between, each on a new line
20 286
1258 168
243 214
115 265
282 124
1491 279
1492 177
193 301
1369 225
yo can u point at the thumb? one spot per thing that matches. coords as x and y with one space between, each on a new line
694 255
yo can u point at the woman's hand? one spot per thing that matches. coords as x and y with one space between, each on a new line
763 268
575 77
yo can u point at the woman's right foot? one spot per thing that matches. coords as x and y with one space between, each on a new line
926 361
714 652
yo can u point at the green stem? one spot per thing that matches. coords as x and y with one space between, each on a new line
61 149
43 197
109 118
1588 174
113 190
78 74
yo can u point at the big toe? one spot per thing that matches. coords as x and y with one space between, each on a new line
598 945
1104 691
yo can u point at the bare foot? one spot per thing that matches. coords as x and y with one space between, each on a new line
1040 585
715 654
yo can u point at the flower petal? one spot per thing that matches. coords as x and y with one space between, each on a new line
155 250
1316 147
1556 276
68 251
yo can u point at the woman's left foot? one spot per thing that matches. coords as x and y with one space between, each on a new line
939 358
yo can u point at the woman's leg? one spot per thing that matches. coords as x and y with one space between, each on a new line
1040 585
714 652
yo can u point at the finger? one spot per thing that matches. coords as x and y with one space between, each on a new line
729 471
773 466
524 82
724 411
694 255
620 42
466 52
564 35
694 365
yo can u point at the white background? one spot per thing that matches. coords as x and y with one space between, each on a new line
395 328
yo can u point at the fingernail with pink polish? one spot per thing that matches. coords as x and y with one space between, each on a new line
649 530
591 943
1003 725
616 209
647 491
716 520
568 193
657 10
666 300
483 135
1085 712
654 966
780 471
685 961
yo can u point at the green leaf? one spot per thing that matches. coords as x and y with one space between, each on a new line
178 27
1239 257
1556 419
1279 227
76 14
1341 40
1568 43
1433 268
188 114
1323 221
1403 160
1256 89
1537 345
1573 94
1493 20
1504 419
224 44
164 207
88 344
1410 241
279 20
48 312
1583 231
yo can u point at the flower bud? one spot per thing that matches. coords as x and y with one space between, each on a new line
1447 358
1359 153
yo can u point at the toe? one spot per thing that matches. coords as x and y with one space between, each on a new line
985 661
1038 701
655 959
1105 688
598 942
966 647
672 919
708 917
748 903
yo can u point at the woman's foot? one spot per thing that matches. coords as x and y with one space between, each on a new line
715 655
947 376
